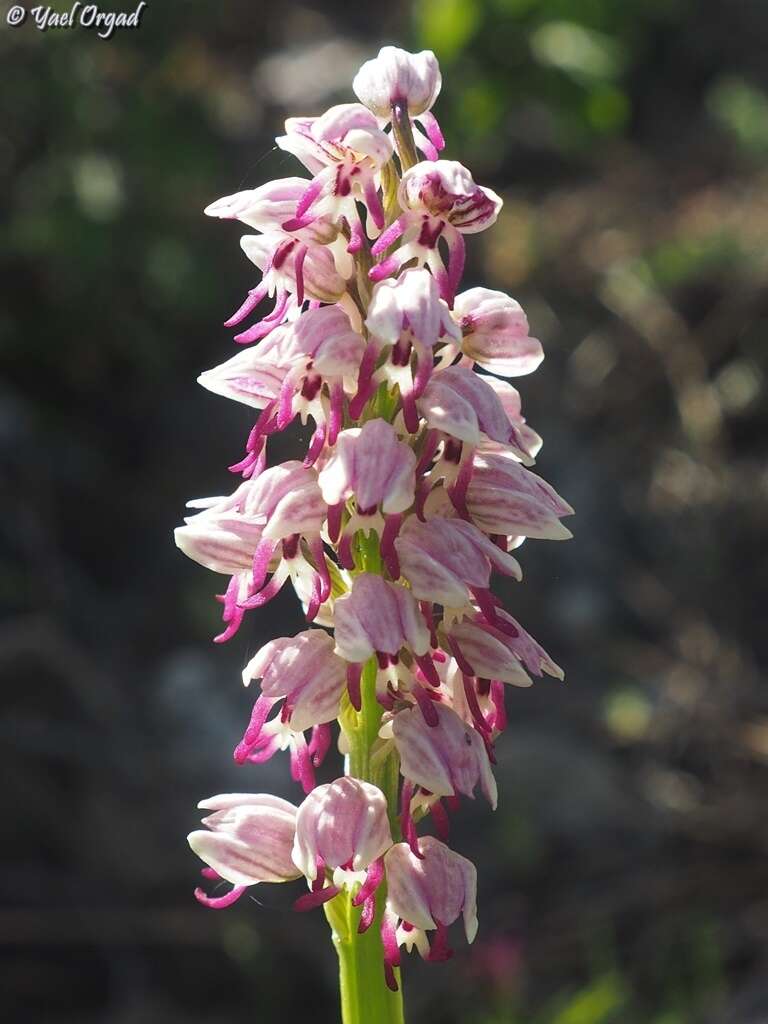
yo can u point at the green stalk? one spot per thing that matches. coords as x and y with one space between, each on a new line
403 133
365 998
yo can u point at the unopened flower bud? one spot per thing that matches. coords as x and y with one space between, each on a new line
396 76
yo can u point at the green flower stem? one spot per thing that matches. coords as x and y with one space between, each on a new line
365 998
403 133
390 180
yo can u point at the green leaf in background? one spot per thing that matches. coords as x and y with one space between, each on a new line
595 1004
577 50
742 109
446 26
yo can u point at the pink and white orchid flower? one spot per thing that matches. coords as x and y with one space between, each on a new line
262 522
439 199
413 491
396 81
345 150
303 368
372 466
426 893
248 839
409 317
495 333
343 828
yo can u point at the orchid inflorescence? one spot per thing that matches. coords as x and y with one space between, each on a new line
415 487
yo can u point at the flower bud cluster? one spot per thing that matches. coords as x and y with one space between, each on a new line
414 490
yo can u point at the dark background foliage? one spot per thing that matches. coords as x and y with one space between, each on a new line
623 878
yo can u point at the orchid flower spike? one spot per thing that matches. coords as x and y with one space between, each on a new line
412 490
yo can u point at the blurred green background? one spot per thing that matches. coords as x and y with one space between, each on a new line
624 877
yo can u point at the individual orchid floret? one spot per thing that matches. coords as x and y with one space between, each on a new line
500 650
426 893
303 368
464 411
372 466
343 828
502 497
439 200
292 270
249 839
400 84
269 206
221 537
495 333
409 317
379 618
461 404
305 673
478 642
442 760
449 562
410 310
345 149
269 516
